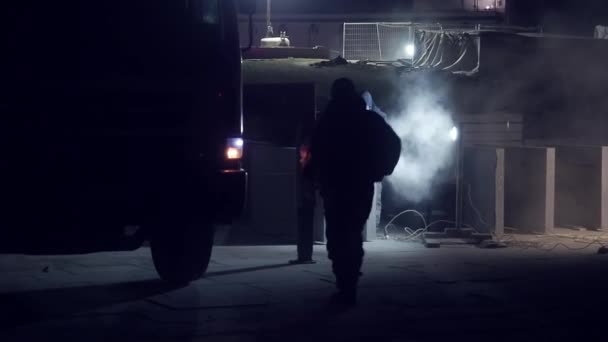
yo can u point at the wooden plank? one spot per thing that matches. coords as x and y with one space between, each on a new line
493 136
499 192
559 143
604 199
498 142
493 127
550 192
503 143
492 142
494 117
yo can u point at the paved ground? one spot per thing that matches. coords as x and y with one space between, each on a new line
408 293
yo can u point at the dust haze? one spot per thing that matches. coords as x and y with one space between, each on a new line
424 125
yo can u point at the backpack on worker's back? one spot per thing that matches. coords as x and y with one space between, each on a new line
353 145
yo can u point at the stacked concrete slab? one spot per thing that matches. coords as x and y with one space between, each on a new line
535 189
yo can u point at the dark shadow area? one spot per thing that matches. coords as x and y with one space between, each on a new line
560 300
242 234
446 294
32 306
246 270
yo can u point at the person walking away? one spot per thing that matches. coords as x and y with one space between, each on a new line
306 206
352 148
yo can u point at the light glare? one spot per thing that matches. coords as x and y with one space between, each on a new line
233 153
234 148
410 50
454 133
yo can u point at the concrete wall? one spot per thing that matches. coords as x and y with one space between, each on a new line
558 83
455 5
437 5
581 186
346 6
301 34
530 189
308 28
534 189
482 5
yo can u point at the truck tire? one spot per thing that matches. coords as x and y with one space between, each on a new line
182 254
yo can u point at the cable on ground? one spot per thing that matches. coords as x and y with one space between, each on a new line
511 240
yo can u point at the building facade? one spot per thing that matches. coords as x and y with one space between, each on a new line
465 5
314 23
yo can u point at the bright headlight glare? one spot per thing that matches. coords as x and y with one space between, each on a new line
410 50
234 148
233 153
236 142
454 133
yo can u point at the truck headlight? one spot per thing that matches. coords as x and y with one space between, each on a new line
234 148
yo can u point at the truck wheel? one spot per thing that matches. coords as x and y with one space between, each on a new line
182 254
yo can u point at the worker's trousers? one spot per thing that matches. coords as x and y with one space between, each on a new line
306 217
346 211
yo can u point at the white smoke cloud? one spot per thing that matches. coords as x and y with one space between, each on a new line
424 126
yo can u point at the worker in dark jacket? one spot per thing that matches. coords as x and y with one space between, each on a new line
351 149
306 206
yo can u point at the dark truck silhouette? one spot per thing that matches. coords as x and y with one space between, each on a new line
121 113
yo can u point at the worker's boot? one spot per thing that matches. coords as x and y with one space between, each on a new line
347 292
345 299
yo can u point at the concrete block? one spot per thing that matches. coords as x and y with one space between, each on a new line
483 187
530 189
